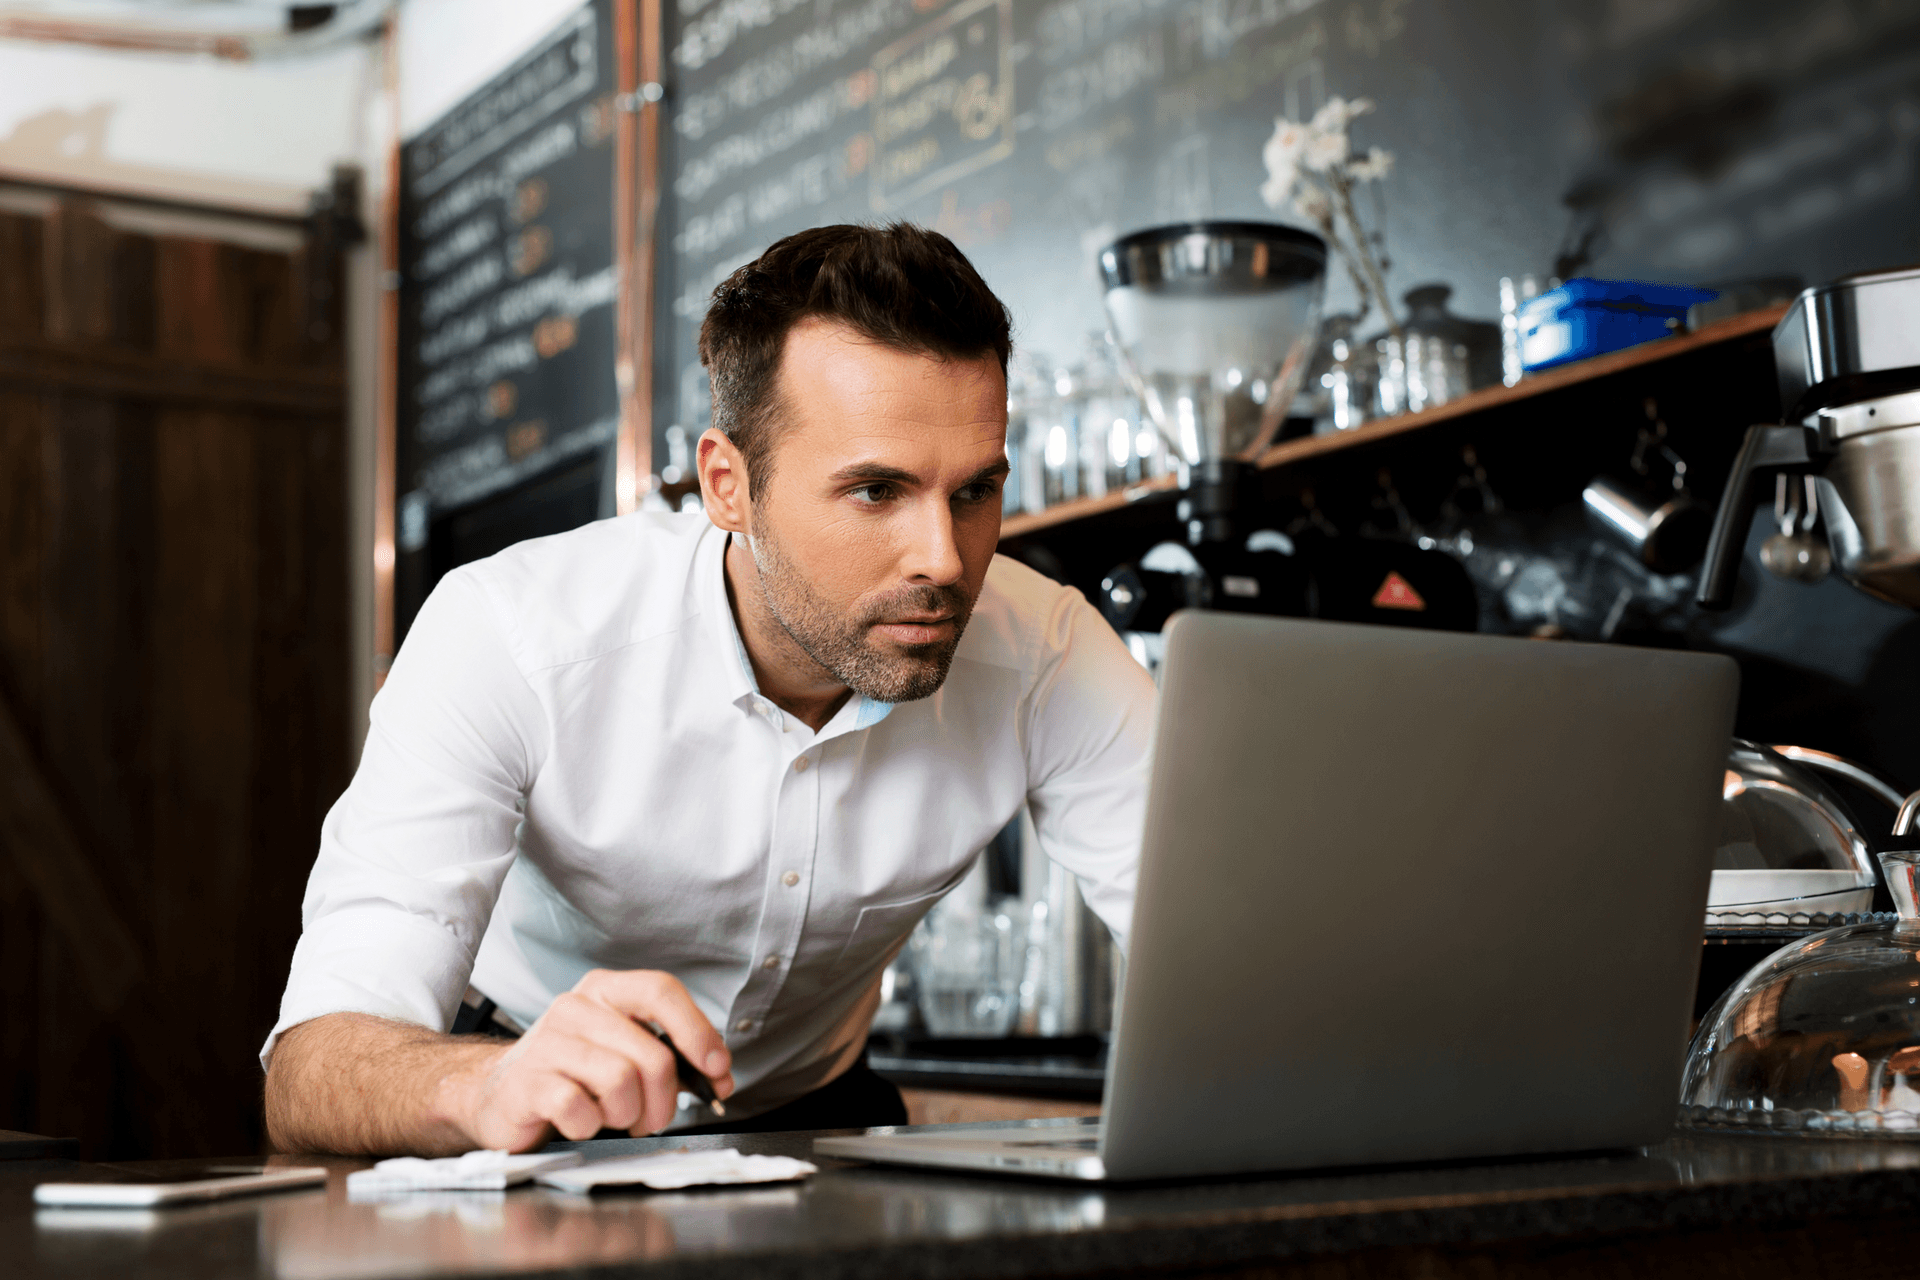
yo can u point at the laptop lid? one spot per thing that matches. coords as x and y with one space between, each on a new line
1413 895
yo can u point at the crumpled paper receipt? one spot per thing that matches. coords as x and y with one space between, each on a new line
672 1170
474 1171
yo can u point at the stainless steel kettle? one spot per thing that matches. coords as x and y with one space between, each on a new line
1848 359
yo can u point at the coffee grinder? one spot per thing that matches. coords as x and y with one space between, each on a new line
1215 324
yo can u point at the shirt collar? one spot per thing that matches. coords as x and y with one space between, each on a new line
711 565
710 589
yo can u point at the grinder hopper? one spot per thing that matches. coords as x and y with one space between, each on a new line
1215 324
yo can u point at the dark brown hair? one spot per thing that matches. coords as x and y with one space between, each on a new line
900 285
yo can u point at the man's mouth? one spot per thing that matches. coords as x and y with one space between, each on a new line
917 629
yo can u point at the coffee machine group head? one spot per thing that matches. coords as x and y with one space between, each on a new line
1848 358
1215 323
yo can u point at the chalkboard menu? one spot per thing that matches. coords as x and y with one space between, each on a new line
508 326
1691 141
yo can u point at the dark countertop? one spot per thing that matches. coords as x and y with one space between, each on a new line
15 1145
1746 1203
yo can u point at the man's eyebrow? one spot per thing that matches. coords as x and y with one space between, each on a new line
874 471
871 471
998 467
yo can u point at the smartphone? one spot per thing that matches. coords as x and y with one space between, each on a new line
182 1186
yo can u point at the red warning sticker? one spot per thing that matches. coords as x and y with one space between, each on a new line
1396 593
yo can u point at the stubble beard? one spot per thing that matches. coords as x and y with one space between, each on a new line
842 645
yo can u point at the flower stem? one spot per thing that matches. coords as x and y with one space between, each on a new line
1362 254
1330 229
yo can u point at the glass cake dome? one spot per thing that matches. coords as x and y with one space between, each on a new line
1821 1039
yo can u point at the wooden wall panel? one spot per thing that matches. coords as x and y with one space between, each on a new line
22 481
20 649
173 646
80 736
86 669
77 1055
78 261
20 1028
194 318
20 262
203 636
274 306
296 680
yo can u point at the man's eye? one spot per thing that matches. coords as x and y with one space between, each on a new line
871 494
981 492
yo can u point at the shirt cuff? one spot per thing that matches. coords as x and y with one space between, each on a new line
374 960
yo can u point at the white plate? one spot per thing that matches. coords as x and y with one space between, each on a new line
1771 890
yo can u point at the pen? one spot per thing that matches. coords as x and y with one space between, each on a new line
692 1079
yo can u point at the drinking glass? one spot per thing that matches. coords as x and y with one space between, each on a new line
967 970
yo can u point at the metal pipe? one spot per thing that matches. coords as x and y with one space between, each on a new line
1859 775
351 21
1903 822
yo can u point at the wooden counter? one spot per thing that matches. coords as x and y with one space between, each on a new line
1702 1205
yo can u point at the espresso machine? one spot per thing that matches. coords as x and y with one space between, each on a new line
1848 358
1843 466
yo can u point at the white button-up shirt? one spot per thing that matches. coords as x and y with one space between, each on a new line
570 767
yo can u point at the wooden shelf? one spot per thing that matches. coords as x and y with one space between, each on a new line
1296 451
1080 508
1539 384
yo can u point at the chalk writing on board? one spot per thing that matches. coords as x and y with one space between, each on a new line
507 258
943 105
564 71
1702 140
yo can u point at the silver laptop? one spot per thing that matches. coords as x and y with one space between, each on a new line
1404 896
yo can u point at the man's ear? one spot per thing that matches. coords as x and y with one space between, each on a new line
723 481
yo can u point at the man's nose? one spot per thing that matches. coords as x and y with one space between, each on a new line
932 551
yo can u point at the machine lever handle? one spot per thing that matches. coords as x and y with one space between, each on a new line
1766 449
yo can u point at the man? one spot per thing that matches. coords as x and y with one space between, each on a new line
703 774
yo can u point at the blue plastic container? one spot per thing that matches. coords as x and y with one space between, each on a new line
1587 317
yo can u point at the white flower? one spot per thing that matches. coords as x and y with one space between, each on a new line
1372 167
1278 186
1338 113
1325 151
1282 155
1284 147
1314 205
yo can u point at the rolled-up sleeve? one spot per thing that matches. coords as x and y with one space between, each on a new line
1090 726
413 853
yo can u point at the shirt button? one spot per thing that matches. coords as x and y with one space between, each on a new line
771 962
790 879
745 1024
800 765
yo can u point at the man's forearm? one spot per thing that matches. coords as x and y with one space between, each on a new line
354 1084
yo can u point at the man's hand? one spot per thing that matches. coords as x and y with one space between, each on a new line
589 1065
354 1084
